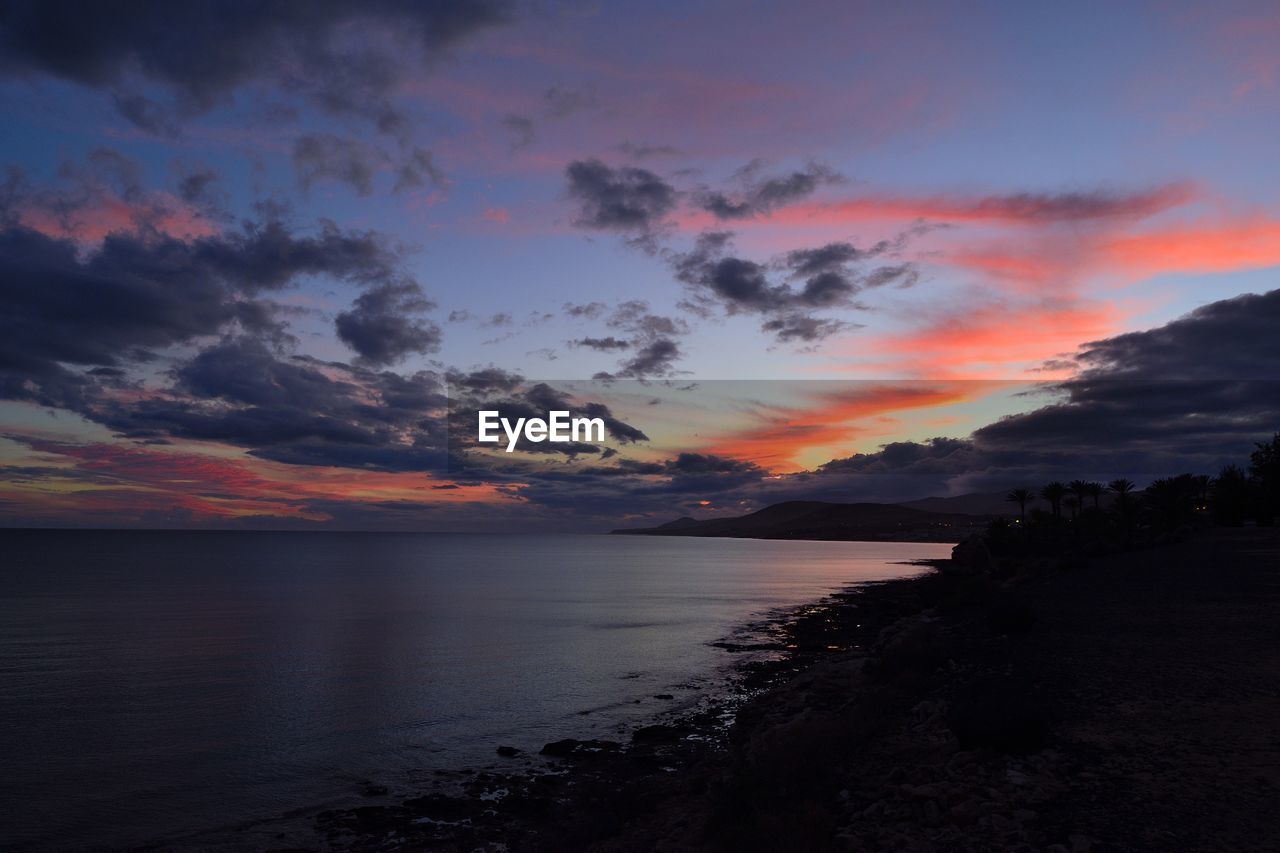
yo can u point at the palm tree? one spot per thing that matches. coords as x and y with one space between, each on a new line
1122 488
1054 493
1072 503
1020 497
1080 489
1094 490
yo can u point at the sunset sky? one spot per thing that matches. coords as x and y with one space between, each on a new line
256 263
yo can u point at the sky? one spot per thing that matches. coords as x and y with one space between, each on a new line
260 265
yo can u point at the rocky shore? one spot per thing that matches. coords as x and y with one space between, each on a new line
1125 701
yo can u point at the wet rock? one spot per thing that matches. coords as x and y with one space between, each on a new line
508 751
657 734
574 748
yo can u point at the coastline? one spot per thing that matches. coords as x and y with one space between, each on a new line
1065 705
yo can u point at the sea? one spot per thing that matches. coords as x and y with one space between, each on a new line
173 688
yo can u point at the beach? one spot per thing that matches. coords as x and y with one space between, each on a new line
1124 701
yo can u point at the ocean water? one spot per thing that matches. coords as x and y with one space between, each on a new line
159 684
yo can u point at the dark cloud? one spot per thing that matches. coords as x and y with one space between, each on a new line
802 328
381 327
822 278
67 308
512 397
201 186
761 195
1230 340
105 180
609 344
520 128
1191 395
562 103
325 50
656 358
323 156
487 381
295 410
589 311
419 169
626 199
653 338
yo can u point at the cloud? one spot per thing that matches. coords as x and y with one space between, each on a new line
609 344
762 195
1191 395
295 410
323 156
562 103
323 50
656 358
1025 209
520 128
419 170
381 328
825 276
987 335
1228 340
626 199
100 195
69 309
589 310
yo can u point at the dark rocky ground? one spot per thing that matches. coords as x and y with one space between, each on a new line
1123 702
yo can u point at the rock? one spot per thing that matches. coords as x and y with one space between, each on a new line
970 557
443 807
667 696
560 748
1002 713
508 751
572 747
374 790
657 734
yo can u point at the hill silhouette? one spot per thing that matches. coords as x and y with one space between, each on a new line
826 520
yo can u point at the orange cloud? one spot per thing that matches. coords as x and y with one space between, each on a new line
1250 243
838 419
992 340
1029 209
125 481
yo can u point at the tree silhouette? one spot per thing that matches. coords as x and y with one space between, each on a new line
1229 498
1264 467
1080 489
1202 482
1020 497
1094 490
1072 503
1122 489
1054 493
